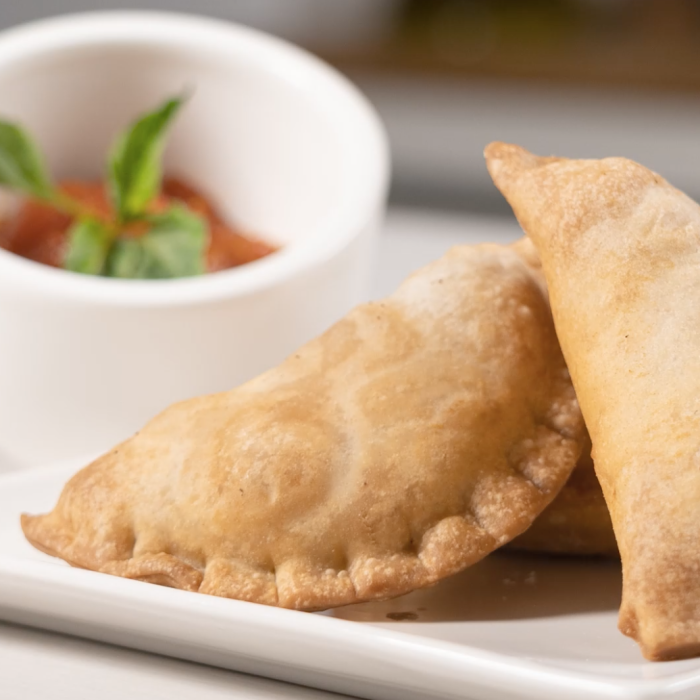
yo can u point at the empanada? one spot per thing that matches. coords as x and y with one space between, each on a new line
620 249
414 437
577 522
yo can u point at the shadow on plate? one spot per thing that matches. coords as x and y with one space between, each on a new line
505 586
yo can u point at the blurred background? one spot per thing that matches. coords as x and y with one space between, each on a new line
572 77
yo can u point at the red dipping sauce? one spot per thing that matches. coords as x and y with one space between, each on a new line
38 232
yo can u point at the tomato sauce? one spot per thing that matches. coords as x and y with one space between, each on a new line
38 232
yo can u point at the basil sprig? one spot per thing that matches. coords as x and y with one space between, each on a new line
174 246
21 165
89 243
173 242
134 164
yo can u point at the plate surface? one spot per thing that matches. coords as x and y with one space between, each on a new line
511 627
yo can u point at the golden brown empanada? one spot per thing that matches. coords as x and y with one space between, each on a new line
414 437
577 522
621 252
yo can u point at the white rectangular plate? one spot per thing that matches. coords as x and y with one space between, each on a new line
511 627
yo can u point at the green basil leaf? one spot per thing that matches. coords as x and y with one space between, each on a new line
135 161
127 260
176 244
89 242
21 164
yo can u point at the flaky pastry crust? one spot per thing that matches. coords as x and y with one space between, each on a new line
577 522
414 437
620 249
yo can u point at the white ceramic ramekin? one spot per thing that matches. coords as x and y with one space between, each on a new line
283 144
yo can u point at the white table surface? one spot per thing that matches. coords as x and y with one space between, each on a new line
36 665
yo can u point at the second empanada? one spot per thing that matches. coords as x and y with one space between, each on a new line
621 251
406 443
577 521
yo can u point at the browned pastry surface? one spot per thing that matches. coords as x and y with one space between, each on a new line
620 249
410 440
577 522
